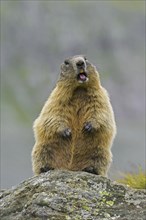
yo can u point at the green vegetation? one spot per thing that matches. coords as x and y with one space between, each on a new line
134 180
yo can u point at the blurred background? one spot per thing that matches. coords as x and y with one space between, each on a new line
36 37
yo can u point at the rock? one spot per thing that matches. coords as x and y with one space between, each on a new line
64 195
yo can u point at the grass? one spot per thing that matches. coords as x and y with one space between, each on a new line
134 180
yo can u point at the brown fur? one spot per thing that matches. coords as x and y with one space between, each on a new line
63 140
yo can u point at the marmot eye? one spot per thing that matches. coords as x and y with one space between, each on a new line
66 62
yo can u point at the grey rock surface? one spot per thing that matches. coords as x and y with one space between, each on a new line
64 195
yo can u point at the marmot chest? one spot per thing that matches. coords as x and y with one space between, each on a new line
81 107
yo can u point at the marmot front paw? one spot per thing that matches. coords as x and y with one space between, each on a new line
88 127
66 133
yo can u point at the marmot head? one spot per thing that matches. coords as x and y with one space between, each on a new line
78 69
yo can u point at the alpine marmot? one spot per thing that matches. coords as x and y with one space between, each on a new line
76 127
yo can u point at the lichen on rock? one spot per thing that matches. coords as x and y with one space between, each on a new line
66 195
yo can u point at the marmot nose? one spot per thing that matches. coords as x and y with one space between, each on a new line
80 64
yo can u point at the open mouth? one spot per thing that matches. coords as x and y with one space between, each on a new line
82 76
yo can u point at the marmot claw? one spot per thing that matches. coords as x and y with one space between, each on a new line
90 170
45 169
88 127
66 133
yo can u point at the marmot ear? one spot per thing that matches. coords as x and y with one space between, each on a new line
62 73
63 69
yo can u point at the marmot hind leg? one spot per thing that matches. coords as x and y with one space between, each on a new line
98 169
102 162
41 159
